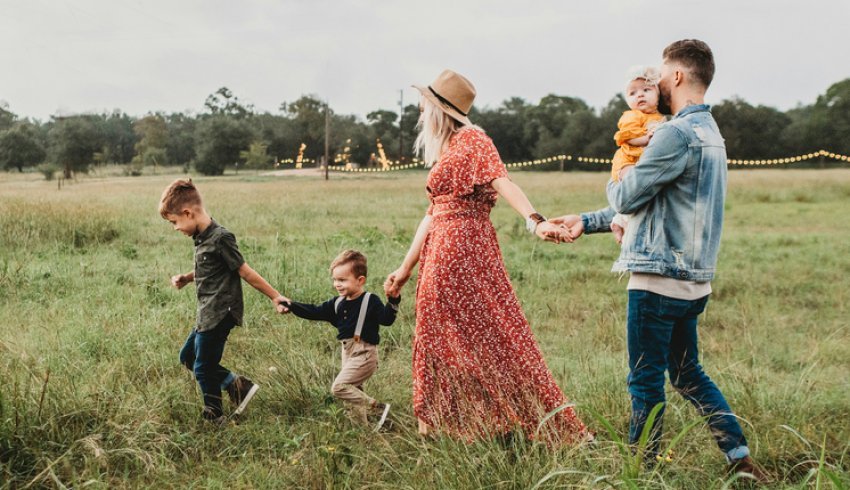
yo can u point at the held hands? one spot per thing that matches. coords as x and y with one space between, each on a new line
395 281
552 232
571 226
180 280
281 304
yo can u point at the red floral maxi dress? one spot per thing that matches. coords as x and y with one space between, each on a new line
477 369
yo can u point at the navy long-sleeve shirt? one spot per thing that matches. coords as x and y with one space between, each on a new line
345 318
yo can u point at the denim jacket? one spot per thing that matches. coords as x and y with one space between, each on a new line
675 195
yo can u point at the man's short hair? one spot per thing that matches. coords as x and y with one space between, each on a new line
353 257
178 196
694 55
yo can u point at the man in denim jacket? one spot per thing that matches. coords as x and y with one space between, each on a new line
676 194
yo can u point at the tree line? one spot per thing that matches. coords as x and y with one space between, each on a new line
231 133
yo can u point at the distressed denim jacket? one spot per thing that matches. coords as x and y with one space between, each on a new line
675 195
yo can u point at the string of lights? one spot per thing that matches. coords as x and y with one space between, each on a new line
607 161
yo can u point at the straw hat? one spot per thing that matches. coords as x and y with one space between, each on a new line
452 93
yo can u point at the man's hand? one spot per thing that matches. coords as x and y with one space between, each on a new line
552 232
281 304
181 280
572 222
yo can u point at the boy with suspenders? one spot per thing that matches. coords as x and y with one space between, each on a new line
357 316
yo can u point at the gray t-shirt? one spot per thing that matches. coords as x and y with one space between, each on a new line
217 281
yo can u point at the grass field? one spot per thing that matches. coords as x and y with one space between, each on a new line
92 395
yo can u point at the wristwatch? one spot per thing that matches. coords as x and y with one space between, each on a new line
532 221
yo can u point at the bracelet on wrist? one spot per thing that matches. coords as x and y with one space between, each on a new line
532 221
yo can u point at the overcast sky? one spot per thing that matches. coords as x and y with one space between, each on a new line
154 55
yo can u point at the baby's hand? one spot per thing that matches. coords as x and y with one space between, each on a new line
391 291
618 232
651 127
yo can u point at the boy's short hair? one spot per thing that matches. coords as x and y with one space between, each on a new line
178 196
695 55
353 257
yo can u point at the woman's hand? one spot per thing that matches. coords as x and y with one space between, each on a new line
396 280
552 232
572 222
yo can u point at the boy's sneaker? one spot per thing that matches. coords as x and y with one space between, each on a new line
240 391
384 410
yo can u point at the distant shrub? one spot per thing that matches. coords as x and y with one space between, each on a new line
48 170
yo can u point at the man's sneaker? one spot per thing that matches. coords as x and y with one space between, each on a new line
748 466
240 391
384 410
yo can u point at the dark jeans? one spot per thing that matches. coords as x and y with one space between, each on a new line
201 354
662 336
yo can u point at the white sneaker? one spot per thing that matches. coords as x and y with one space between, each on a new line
386 411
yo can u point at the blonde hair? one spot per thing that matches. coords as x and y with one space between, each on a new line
435 130
649 74
178 196
353 257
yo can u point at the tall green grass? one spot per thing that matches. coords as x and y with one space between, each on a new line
92 394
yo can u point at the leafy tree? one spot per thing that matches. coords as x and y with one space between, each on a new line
829 124
308 115
20 146
278 133
384 126
223 102
409 120
797 136
219 143
363 142
180 144
73 143
507 125
256 156
152 133
563 125
750 131
118 138
7 118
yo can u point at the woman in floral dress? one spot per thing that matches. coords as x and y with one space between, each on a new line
477 369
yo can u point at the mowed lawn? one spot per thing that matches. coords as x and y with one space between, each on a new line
92 395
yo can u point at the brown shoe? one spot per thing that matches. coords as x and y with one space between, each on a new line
747 466
240 391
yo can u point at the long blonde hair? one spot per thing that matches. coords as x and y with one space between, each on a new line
435 130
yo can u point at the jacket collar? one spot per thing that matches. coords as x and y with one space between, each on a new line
693 108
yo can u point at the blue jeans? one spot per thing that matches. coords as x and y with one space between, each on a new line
662 336
201 354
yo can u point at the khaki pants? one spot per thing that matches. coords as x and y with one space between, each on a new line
359 363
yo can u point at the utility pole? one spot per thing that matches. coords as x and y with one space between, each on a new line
327 138
400 126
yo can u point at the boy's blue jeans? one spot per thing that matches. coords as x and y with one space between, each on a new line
662 336
201 354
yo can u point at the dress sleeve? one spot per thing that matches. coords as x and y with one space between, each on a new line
480 163
630 126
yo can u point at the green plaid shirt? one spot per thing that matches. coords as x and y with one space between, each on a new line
217 281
